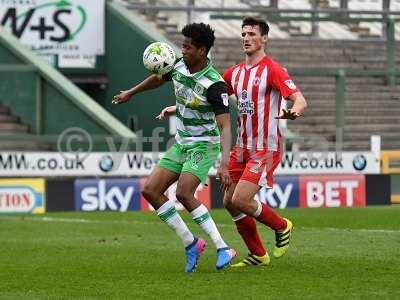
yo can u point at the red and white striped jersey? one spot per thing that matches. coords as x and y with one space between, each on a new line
259 90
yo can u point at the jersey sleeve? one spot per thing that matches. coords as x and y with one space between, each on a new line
228 79
167 77
218 98
281 81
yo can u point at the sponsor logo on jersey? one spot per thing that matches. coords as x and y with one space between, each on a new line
290 84
198 89
243 95
245 106
177 76
214 76
225 99
183 92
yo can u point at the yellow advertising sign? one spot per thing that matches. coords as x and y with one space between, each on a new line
390 162
18 195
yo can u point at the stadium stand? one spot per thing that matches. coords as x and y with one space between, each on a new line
371 105
11 124
38 103
171 20
369 101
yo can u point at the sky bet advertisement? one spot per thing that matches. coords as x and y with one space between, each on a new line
308 191
288 191
285 192
315 191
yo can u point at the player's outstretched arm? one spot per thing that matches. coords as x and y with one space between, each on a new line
224 125
151 82
297 109
167 111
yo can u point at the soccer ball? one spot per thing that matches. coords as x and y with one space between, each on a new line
159 58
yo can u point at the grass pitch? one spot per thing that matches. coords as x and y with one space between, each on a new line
339 253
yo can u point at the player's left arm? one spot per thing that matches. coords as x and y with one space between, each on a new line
297 110
166 112
218 98
282 82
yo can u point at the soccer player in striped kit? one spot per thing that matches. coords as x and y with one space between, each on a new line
259 83
203 132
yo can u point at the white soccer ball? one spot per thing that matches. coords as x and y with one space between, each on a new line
159 58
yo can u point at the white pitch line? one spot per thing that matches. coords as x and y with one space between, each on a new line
50 219
349 229
77 220
88 221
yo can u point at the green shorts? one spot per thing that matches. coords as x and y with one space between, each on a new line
195 159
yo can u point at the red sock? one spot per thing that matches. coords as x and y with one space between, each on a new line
247 228
270 218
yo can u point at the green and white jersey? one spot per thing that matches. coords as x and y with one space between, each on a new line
199 97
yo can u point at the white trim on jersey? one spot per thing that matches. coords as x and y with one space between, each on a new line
261 105
239 90
233 79
249 119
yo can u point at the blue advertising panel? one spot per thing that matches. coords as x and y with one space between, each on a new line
107 194
285 192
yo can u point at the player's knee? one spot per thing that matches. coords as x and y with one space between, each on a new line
182 195
238 202
228 203
235 200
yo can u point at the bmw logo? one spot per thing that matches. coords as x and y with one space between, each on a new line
359 162
106 163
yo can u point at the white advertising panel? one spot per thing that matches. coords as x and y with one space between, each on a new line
73 29
24 164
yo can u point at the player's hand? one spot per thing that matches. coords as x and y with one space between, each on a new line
167 111
122 97
288 114
223 176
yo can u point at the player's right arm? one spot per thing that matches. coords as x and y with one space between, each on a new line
228 80
151 82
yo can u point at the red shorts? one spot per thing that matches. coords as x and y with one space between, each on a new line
254 166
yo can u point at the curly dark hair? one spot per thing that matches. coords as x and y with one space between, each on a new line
250 21
202 35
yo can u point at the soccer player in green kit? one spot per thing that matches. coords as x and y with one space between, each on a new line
203 131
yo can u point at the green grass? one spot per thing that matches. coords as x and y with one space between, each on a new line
335 254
